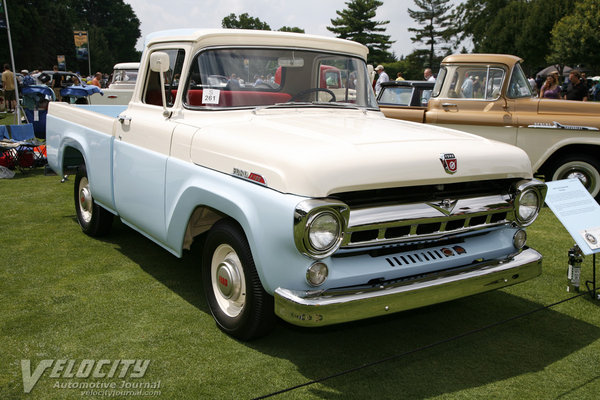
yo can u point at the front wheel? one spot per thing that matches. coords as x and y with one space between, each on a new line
582 167
238 302
93 219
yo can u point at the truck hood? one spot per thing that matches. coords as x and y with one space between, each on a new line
316 153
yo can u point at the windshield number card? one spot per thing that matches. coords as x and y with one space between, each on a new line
210 96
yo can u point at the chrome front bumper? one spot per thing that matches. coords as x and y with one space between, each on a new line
333 306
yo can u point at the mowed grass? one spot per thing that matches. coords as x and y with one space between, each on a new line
64 295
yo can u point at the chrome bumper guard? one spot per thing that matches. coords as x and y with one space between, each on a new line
333 306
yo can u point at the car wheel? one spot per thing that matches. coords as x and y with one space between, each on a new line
583 167
237 300
93 219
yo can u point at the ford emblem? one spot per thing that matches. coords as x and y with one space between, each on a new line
449 162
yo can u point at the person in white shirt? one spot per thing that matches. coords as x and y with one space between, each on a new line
383 77
428 75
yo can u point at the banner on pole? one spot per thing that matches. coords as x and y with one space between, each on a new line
60 61
2 16
81 44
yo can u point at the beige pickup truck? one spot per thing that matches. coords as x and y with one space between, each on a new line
488 95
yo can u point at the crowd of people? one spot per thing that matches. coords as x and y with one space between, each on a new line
577 87
53 79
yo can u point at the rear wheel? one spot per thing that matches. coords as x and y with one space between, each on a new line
235 295
582 167
93 219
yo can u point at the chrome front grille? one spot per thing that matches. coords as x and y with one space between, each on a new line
370 226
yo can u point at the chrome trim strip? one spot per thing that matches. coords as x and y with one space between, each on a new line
414 215
326 307
361 219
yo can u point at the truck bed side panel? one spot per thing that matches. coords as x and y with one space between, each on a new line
90 133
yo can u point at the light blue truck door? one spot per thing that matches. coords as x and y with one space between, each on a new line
142 144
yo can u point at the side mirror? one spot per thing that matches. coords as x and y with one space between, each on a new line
159 61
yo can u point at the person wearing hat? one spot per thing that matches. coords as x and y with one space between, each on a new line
383 77
27 79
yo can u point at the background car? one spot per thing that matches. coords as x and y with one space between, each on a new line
405 93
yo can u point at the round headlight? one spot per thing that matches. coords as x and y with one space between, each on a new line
324 231
520 238
316 274
528 206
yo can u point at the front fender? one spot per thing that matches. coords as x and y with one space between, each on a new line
265 215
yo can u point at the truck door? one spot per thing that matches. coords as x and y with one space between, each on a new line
142 144
471 100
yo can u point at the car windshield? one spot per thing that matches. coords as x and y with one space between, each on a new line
124 76
399 96
477 82
252 77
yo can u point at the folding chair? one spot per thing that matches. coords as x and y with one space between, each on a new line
8 149
28 152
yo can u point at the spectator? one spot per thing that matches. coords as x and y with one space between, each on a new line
56 82
27 79
383 77
577 89
8 84
428 75
595 94
550 89
399 76
97 79
467 88
533 84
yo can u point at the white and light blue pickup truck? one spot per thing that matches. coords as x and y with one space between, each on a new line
270 148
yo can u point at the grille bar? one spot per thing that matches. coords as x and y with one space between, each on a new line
418 221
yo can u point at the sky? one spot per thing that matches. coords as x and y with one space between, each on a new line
311 15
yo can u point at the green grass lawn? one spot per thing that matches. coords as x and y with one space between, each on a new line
64 295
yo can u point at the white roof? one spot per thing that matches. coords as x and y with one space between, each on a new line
243 37
127 65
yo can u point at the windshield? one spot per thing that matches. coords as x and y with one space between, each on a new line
477 82
251 77
124 76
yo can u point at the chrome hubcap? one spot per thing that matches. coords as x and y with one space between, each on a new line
228 281
586 173
85 200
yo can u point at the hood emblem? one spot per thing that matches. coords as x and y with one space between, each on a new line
445 206
449 162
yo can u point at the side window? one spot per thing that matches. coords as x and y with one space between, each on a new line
152 92
518 86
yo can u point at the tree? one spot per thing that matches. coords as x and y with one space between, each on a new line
42 29
356 23
291 29
244 21
436 18
515 27
575 39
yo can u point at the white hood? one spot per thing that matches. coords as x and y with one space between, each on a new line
316 152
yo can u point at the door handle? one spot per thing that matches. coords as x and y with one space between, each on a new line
448 105
124 118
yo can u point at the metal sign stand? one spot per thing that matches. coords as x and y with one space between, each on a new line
593 289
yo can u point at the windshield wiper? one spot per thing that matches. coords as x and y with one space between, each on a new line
311 104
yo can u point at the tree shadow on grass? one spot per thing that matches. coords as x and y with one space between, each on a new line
521 346
427 351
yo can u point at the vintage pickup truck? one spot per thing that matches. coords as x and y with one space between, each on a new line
317 210
488 95
120 87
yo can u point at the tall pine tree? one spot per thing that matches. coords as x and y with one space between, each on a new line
356 23
435 18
